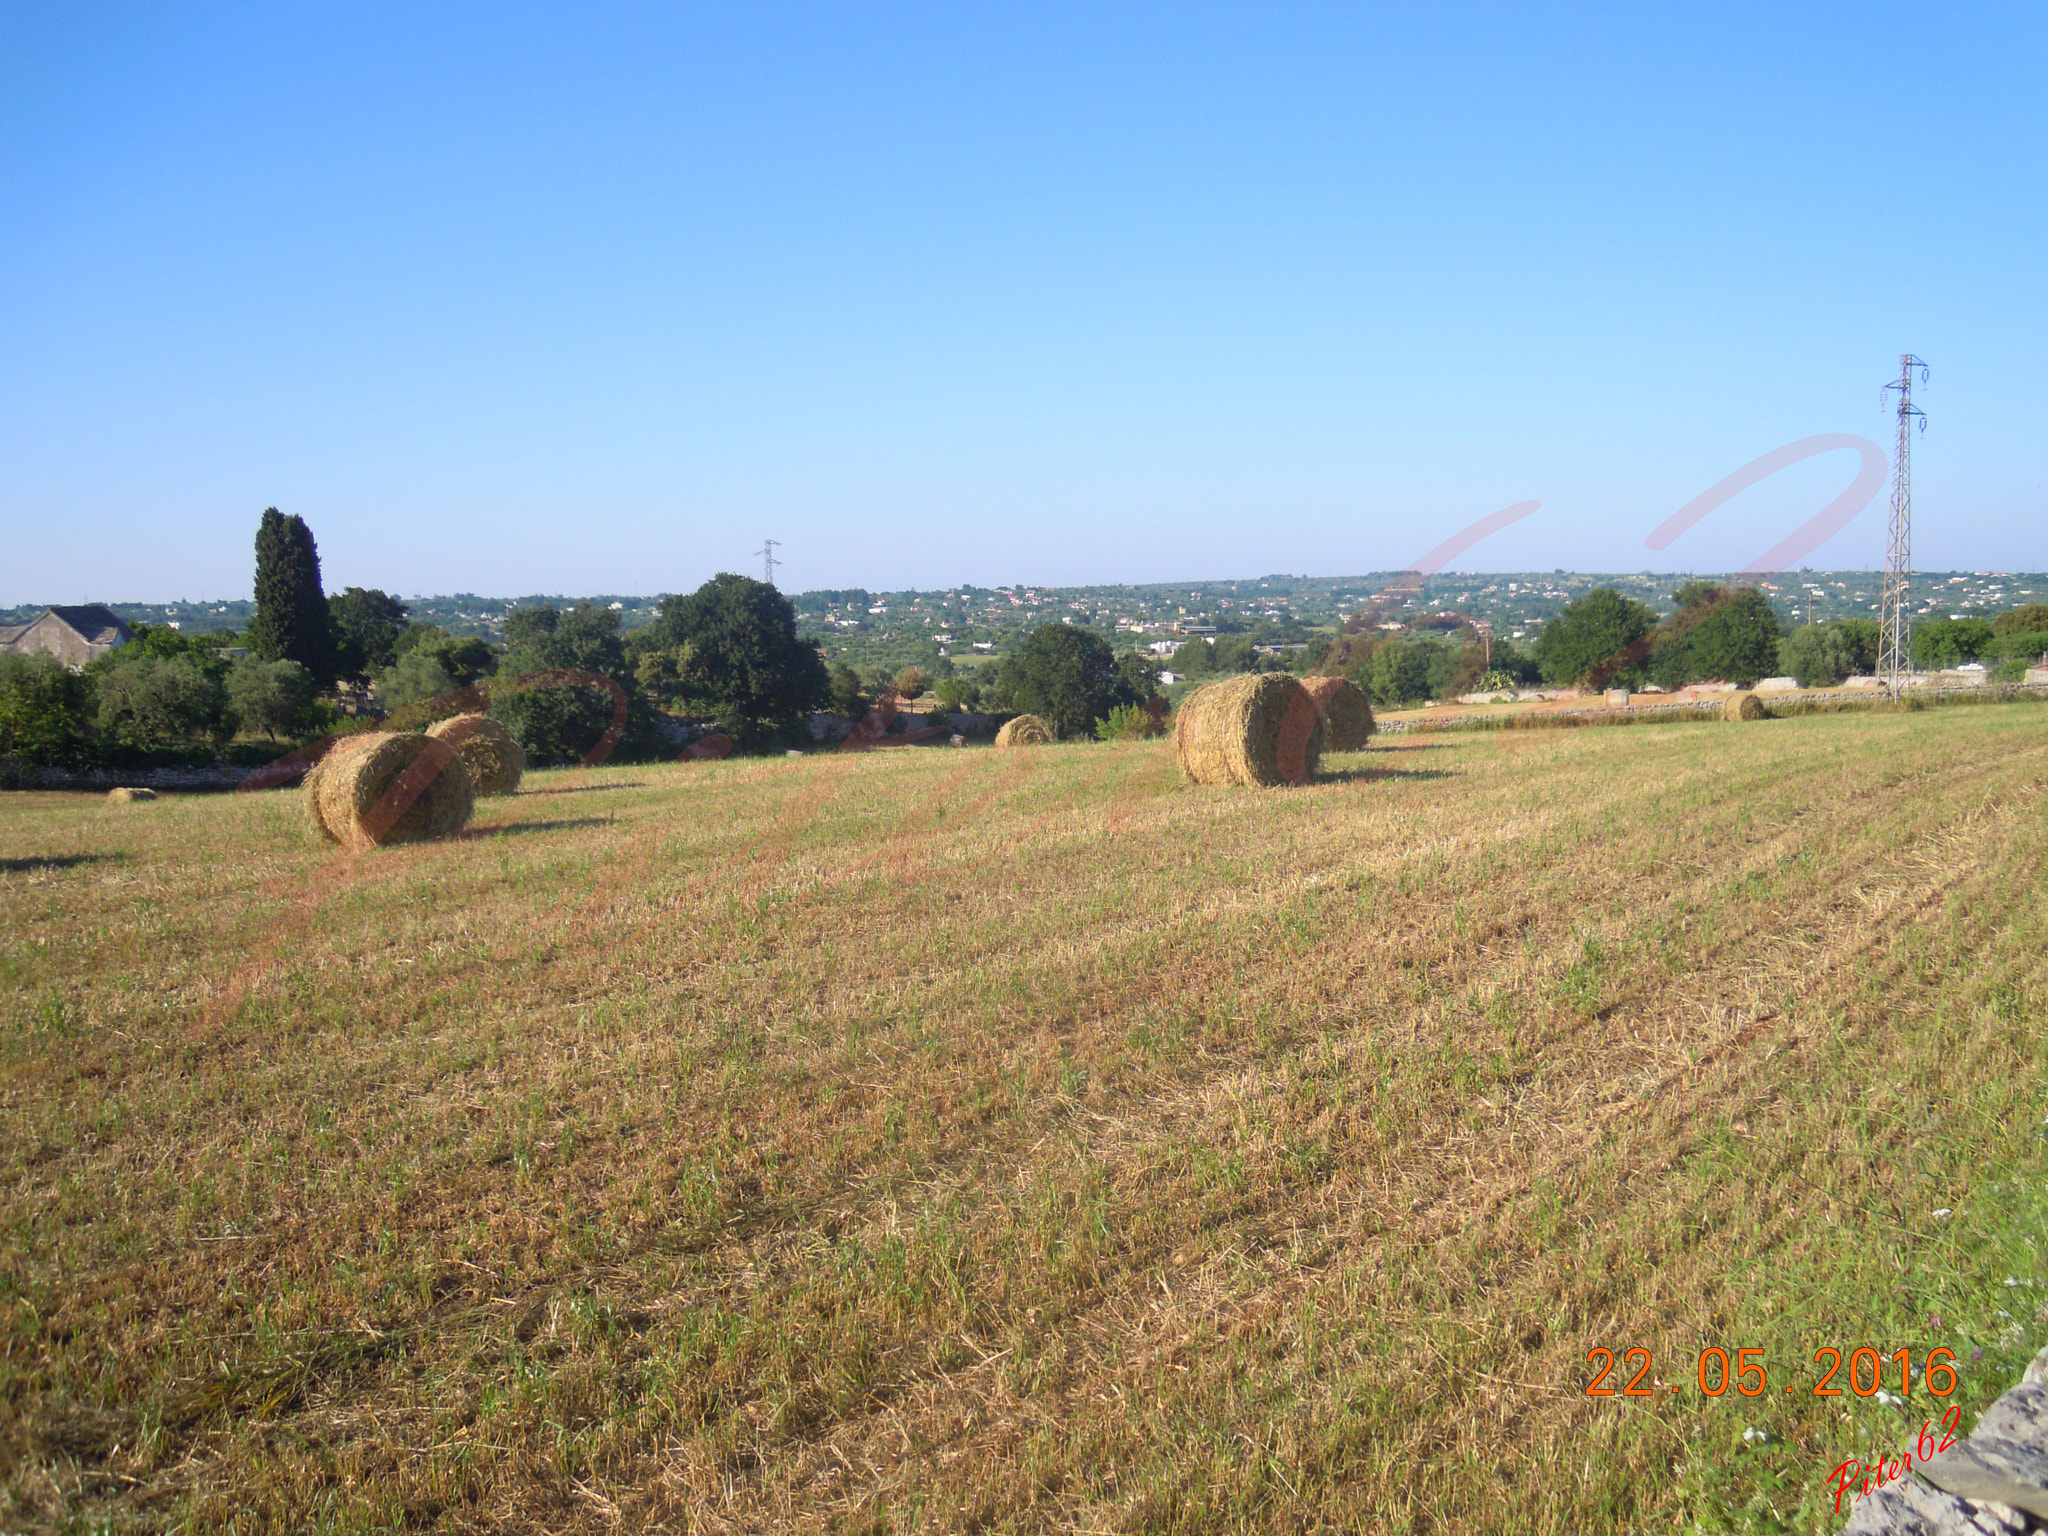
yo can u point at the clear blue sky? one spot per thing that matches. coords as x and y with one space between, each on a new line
592 298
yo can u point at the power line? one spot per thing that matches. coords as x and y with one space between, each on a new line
1895 621
768 560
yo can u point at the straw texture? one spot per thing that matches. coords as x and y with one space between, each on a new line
1262 728
491 753
356 798
126 796
1346 712
1024 731
1745 706
309 786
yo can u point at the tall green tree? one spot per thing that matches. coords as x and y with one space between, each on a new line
559 724
1399 672
1068 675
1717 632
1599 630
291 622
364 624
734 656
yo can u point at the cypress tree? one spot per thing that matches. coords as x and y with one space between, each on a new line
291 610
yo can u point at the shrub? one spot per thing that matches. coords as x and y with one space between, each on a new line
910 682
957 692
2029 619
2020 645
274 697
160 701
1399 673
43 711
1822 655
1129 722
1950 642
844 694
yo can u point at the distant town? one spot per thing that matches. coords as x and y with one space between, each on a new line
866 628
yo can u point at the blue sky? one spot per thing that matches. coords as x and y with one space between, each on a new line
511 299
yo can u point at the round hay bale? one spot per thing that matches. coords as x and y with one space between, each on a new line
1262 728
1744 706
126 796
322 766
386 788
309 786
1024 731
1346 712
491 753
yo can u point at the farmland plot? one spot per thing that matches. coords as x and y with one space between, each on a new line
1026 1141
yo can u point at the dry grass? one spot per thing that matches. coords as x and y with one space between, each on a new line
1021 1141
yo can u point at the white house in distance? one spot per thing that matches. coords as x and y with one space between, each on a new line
74 633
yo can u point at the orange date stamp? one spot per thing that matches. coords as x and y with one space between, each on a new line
1861 1371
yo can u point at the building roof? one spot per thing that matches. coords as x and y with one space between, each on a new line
9 633
95 623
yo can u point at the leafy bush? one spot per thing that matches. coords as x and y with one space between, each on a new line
2020 645
1823 655
1399 672
2031 619
1950 642
844 694
957 692
910 682
1129 722
159 701
274 697
44 706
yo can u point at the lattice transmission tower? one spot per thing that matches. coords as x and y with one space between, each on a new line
768 560
1895 622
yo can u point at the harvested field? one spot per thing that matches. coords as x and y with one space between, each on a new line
1026 1141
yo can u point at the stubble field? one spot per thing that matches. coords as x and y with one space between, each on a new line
962 1140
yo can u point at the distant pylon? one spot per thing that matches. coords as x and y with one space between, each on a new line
1895 622
768 560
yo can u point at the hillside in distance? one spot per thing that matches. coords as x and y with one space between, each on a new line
867 627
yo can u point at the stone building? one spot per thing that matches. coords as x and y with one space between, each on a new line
74 633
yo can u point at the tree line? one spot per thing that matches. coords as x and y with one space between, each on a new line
1716 632
728 654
